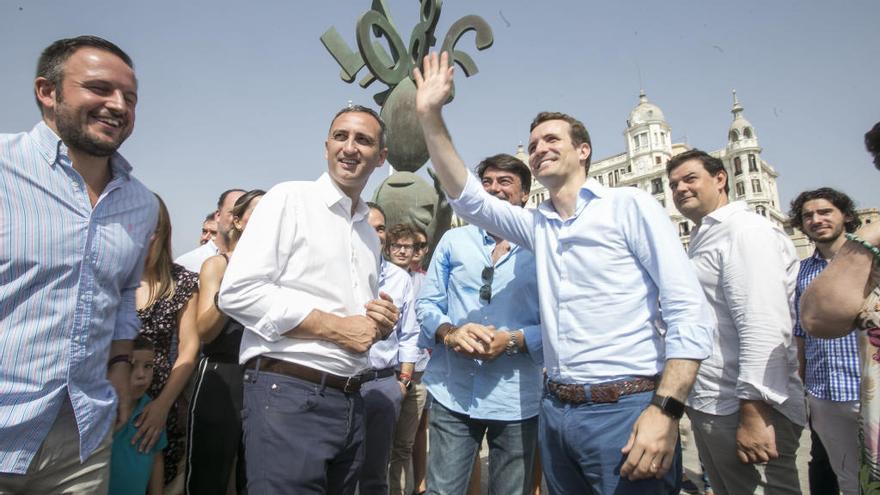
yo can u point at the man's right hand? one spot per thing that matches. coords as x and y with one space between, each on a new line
755 436
357 333
434 83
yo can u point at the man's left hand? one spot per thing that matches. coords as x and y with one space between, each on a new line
651 446
497 346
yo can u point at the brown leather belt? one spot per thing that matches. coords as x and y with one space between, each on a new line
348 384
600 393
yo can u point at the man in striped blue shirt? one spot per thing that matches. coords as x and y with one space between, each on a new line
74 230
830 367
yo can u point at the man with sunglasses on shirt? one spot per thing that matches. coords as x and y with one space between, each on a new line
479 312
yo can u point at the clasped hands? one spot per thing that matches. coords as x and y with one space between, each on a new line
477 341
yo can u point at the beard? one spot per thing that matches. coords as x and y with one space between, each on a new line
76 136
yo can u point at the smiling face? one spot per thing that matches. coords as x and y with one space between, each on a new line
553 157
504 184
695 191
353 151
822 221
93 110
401 250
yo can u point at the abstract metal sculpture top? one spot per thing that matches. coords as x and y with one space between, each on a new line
406 146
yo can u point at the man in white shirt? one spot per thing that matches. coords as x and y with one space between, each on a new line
304 283
747 405
193 260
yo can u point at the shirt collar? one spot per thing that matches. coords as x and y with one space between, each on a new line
591 188
333 195
55 151
723 213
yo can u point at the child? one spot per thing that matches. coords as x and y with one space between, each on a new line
133 472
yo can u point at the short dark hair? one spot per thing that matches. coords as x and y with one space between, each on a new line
143 343
376 207
840 201
366 110
712 164
50 65
507 163
227 193
209 217
576 130
872 143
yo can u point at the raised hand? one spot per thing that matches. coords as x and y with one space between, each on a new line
434 82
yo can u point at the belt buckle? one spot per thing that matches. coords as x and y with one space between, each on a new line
351 383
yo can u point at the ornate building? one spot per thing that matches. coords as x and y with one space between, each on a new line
649 146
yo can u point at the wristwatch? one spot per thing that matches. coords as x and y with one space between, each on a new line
670 406
512 348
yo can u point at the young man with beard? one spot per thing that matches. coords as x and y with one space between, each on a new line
830 366
304 283
606 260
479 314
747 405
74 226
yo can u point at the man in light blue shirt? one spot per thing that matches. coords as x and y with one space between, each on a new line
74 230
606 261
384 395
491 385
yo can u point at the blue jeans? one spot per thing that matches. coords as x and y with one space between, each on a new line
580 448
300 437
455 441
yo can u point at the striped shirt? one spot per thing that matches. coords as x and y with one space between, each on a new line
68 273
832 370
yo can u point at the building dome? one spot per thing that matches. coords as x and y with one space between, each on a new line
740 128
645 112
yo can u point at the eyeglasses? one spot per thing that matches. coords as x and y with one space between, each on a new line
420 246
486 290
401 247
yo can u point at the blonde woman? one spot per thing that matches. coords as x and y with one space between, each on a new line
166 306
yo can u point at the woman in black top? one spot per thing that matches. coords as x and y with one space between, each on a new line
215 450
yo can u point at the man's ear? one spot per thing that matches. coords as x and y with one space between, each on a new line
44 90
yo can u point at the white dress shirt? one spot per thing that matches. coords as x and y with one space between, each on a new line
302 250
602 275
193 260
402 345
748 268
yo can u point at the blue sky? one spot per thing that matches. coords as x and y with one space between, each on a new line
241 93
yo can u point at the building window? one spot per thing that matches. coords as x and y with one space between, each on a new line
734 136
663 138
684 228
737 166
761 210
656 185
657 160
753 163
747 133
629 169
600 179
610 179
756 185
616 176
740 189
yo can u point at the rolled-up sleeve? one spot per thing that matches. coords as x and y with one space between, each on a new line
754 283
534 343
250 292
690 323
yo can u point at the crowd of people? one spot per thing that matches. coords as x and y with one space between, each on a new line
307 347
